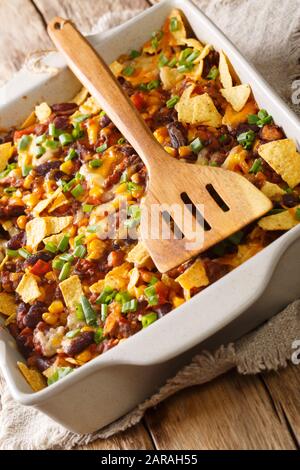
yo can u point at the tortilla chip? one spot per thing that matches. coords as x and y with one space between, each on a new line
43 112
7 304
282 221
56 239
205 52
170 77
34 378
138 255
3 262
6 151
194 276
44 203
283 157
237 96
81 96
57 224
232 119
11 319
133 279
198 109
177 37
116 68
29 121
225 75
194 43
97 287
36 231
71 290
90 106
236 156
28 288
272 191
60 201
197 71
244 253
118 277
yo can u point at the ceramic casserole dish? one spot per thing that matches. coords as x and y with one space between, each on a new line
114 383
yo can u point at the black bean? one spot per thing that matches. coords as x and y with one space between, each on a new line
78 344
177 134
17 241
43 363
104 121
43 255
162 310
21 312
44 168
290 200
11 211
34 314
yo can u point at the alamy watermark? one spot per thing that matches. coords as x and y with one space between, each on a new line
296 354
296 92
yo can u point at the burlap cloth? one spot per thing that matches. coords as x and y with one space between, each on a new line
268 33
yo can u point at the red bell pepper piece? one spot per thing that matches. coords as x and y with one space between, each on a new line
40 267
138 100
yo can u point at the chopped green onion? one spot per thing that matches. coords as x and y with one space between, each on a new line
96 163
143 87
236 238
71 155
77 132
87 208
65 271
289 190
297 214
79 251
153 281
60 373
184 54
121 141
174 24
81 117
106 296
153 85
130 306
134 54
24 253
71 334
262 118
77 191
150 293
79 239
102 148
57 264
128 71
93 228
196 145
40 139
89 312
122 297
51 247
213 164
67 257
133 186
79 176
53 131
163 60
124 177
98 336
79 313
51 144
246 139
253 119
8 169
65 139
223 138
104 311
102 113
172 101
10 190
256 167
276 211
192 57
39 151
12 253
26 169
148 319
24 142
173 62
213 73
63 244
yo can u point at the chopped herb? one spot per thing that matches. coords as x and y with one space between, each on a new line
223 138
80 251
236 238
134 54
128 71
276 211
40 139
256 167
156 37
143 87
24 253
51 247
39 151
98 336
24 142
12 253
57 264
87 208
77 191
65 271
102 148
124 177
104 311
133 186
65 139
153 281
89 312
67 257
10 190
93 228
121 141
106 296
77 132
163 60
153 85
196 145
63 244
174 24
213 164
51 144
150 293
26 169
148 319
184 68
59 373
289 190
8 169
79 239
96 163
297 214
71 155
172 101
122 297
192 57
71 334
81 117
79 313
184 54
213 73
260 119
173 62
53 131
130 306
246 139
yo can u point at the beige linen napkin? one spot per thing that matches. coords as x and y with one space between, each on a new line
268 33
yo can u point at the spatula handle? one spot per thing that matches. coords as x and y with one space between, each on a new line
96 76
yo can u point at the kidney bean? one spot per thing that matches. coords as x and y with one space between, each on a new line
127 87
17 241
290 200
62 122
177 134
104 121
44 168
215 270
34 314
218 157
43 363
43 255
162 310
6 212
66 109
78 344
25 342
21 312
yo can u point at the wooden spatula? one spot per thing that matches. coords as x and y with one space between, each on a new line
210 203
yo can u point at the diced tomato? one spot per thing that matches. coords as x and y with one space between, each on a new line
138 100
27 131
162 292
40 267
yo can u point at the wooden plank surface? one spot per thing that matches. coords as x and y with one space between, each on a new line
231 413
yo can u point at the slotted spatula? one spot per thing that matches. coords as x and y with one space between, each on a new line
219 202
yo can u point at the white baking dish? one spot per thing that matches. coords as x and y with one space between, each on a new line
114 383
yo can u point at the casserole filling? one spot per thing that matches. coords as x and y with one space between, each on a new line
71 286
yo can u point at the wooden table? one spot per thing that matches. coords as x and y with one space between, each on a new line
233 412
